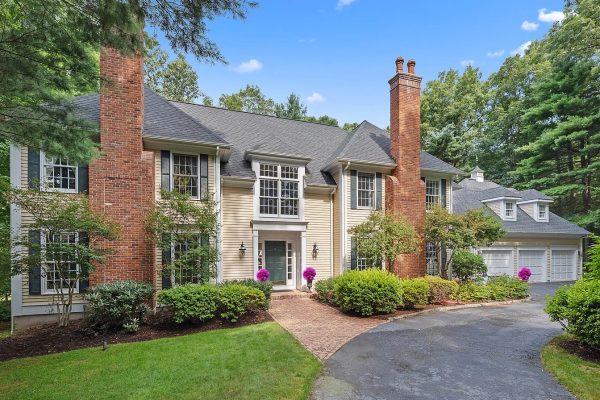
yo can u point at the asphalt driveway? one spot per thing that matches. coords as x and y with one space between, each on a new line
477 353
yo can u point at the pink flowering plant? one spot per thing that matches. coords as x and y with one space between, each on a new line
263 275
524 274
309 274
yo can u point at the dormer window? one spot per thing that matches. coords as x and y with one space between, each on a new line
509 210
542 211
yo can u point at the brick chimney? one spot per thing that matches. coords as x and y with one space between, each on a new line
405 191
122 178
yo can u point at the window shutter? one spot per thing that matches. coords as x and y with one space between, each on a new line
166 259
203 176
378 191
165 170
443 193
444 259
353 254
35 273
353 192
204 271
33 168
82 178
84 281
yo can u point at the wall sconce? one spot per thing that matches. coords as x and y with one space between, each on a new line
315 251
242 250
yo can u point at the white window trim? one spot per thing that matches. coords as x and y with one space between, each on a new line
514 208
537 212
373 195
438 182
257 196
44 272
43 177
172 268
171 173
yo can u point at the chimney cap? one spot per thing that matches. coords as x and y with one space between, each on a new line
400 64
411 66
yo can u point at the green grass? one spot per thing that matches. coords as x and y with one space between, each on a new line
580 377
252 362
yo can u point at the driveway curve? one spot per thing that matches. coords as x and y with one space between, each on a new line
476 353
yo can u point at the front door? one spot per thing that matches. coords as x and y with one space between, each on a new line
276 261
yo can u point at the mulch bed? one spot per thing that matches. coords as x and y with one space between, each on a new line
49 338
572 346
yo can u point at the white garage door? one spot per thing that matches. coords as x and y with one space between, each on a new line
535 260
499 262
563 265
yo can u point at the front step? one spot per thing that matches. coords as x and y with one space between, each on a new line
290 294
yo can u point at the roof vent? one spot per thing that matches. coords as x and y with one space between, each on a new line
477 174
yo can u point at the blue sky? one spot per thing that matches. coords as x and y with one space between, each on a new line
344 50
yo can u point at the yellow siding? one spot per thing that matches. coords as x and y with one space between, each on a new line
317 212
237 212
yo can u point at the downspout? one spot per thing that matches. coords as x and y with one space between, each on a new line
219 216
344 217
332 255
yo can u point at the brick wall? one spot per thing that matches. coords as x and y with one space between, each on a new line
405 192
122 178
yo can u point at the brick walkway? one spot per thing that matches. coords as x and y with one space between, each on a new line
321 329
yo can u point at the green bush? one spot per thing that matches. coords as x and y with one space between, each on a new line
414 292
507 287
440 289
325 290
469 292
191 302
577 308
4 310
466 265
368 292
265 287
236 300
118 305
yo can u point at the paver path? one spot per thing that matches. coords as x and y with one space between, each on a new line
476 353
320 328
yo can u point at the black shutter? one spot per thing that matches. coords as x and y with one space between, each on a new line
35 273
84 281
444 259
33 168
166 259
378 191
443 194
82 178
353 192
353 254
165 170
203 176
204 270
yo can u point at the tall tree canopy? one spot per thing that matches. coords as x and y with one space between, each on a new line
292 108
249 99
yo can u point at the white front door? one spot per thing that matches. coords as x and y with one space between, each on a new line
535 260
563 265
498 262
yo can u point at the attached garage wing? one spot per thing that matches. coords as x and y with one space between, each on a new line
535 260
498 262
563 265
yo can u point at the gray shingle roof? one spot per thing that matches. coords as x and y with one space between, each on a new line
431 163
469 194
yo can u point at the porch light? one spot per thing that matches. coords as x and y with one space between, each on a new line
315 251
242 249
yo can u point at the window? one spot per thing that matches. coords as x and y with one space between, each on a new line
58 263
279 190
432 192
366 190
185 174
509 209
542 211
431 259
59 174
186 263
360 260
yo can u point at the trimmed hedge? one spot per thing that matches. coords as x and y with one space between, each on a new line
415 292
191 302
368 292
265 287
325 290
498 288
236 300
440 289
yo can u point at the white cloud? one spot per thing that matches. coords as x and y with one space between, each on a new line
466 63
529 26
521 49
315 98
550 16
494 54
343 3
249 66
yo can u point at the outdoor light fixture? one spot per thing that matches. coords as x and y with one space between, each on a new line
315 251
242 249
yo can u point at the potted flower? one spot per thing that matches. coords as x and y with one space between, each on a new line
263 275
309 274
524 274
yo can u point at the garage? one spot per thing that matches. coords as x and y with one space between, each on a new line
535 260
498 262
563 265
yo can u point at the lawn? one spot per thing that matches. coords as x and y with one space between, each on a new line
252 362
580 377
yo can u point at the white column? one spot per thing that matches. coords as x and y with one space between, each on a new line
255 251
302 258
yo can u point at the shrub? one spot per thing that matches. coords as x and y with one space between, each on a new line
468 292
440 289
4 310
265 287
191 302
577 308
507 287
466 265
118 305
414 292
368 292
236 300
325 291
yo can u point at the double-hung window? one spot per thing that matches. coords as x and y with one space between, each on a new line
59 174
60 270
542 212
509 209
185 174
186 263
279 190
365 190
432 192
